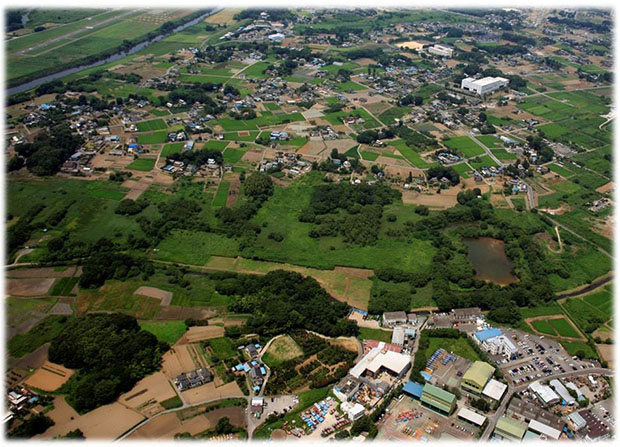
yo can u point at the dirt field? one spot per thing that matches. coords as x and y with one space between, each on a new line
234 190
210 392
178 360
166 426
350 343
225 16
28 287
359 319
164 296
137 188
607 353
44 272
146 395
107 422
49 377
183 313
252 156
313 148
199 333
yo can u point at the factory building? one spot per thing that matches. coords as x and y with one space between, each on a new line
485 85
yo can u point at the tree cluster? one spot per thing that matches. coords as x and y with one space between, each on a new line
111 353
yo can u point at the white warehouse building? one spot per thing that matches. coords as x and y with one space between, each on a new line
484 85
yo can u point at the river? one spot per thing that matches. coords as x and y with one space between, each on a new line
112 58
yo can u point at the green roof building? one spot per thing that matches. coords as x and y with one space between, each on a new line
510 429
476 377
438 400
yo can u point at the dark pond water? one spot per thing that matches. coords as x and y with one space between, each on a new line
489 259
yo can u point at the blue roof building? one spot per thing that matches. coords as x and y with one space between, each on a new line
413 389
485 334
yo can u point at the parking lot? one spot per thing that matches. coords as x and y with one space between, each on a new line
536 357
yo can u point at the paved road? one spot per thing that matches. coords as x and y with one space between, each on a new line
511 389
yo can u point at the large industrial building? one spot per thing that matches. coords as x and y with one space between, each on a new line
510 429
438 400
378 360
476 377
485 85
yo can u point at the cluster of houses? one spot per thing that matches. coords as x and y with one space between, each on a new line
192 379
255 370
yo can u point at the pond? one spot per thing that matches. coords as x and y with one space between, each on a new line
489 259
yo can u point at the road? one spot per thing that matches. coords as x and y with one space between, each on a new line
487 150
502 408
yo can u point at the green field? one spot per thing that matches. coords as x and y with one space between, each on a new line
543 326
458 346
142 164
172 148
222 347
465 145
153 138
222 194
301 249
574 347
553 167
147 126
369 156
563 327
168 331
233 156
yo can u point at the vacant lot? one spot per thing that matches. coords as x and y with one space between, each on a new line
280 350
49 377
